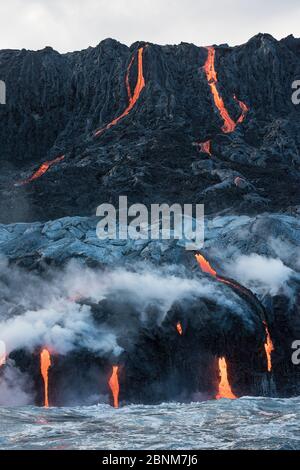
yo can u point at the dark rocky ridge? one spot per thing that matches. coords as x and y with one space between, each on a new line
55 102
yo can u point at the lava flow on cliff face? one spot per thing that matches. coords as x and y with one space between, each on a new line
224 390
45 365
114 386
212 79
132 98
206 268
41 170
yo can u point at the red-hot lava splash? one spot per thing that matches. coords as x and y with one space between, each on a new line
179 329
41 170
206 268
45 365
269 347
114 385
224 390
132 99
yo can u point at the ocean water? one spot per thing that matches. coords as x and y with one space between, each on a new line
247 423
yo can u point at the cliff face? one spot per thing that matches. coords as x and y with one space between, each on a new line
56 102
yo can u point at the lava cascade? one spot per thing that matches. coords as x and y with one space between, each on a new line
269 347
132 99
212 79
206 268
224 390
114 385
45 365
41 170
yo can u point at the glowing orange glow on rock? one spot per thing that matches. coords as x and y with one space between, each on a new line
224 390
41 170
269 347
212 78
179 328
205 147
205 266
140 85
114 385
45 365
244 109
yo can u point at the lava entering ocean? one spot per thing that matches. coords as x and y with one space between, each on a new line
41 170
114 385
224 390
269 347
132 99
206 268
45 365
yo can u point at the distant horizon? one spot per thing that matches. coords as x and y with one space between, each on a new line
72 25
146 42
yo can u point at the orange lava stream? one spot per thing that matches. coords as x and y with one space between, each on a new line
244 109
41 171
140 85
205 266
205 147
45 364
179 328
114 385
269 347
212 78
224 390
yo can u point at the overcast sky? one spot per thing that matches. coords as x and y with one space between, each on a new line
68 25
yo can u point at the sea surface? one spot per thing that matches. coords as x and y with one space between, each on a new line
247 423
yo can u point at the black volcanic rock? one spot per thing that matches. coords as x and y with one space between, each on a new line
55 102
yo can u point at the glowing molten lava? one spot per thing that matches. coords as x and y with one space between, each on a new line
212 78
179 328
269 347
132 99
45 364
244 109
114 385
205 147
41 171
224 390
205 266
